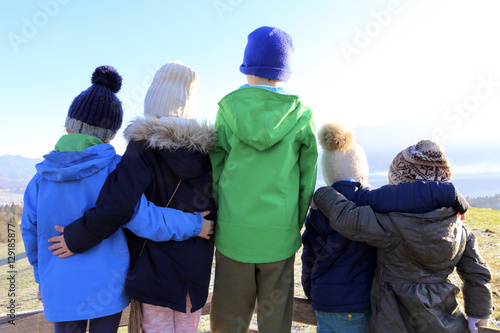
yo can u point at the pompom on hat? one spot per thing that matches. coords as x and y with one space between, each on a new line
424 161
97 111
343 158
268 54
172 92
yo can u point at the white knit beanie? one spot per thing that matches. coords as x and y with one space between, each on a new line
343 159
172 92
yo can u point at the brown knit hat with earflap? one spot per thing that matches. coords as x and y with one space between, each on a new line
425 161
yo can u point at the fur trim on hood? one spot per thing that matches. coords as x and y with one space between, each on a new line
172 133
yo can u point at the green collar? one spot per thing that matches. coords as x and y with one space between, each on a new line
76 142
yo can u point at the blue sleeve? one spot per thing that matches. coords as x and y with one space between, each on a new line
416 197
161 224
29 229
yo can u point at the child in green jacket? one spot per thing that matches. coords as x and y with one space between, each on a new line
264 171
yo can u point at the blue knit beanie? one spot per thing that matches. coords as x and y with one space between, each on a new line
268 54
97 111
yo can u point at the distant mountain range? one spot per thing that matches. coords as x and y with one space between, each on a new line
15 174
475 170
16 171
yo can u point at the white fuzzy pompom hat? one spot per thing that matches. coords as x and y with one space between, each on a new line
343 158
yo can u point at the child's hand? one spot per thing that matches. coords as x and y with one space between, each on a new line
60 248
39 296
208 226
474 323
462 216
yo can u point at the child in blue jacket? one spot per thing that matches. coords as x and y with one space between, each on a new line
337 273
167 160
90 285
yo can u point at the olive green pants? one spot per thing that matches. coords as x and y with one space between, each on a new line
238 285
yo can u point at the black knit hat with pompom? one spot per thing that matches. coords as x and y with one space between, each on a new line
97 111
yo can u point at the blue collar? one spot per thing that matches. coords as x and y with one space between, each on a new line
279 90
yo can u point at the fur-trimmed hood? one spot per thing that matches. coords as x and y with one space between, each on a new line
172 133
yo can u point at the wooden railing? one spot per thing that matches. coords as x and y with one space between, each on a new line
34 321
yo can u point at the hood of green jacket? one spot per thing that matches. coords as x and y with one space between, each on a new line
260 117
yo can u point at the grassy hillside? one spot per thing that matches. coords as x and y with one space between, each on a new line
485 223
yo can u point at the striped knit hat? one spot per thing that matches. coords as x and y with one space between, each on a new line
425 161
97 111
172 92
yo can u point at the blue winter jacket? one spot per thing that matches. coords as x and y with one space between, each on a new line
337 273
91 284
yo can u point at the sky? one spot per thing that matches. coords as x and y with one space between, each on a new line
394 72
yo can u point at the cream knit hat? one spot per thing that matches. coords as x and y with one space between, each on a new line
172 92
425 161
342 159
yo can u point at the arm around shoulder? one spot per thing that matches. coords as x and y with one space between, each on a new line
161 224
415 197
360 224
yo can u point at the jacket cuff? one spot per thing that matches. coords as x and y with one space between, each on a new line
77 239
198 226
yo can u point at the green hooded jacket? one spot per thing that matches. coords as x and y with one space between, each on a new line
264 172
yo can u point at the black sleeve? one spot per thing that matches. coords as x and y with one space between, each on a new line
461 205
116 202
